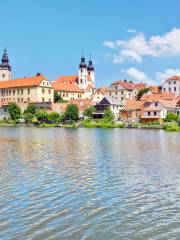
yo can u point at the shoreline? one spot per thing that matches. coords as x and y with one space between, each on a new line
76 126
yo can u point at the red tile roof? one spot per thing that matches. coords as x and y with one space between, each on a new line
130 86
67 87
133 105
174 78
67 79
23 82
152 97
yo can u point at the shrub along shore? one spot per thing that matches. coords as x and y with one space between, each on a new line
70 119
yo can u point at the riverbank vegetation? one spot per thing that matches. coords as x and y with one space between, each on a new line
70 119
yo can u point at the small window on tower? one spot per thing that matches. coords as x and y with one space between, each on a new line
3 75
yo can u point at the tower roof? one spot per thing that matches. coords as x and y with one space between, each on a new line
5 61
83 62
90 66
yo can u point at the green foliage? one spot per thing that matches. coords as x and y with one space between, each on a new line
108 115
58 98
171 127
14 112
71 113
142 92
171 117
29 113
54 117
42 116
88 111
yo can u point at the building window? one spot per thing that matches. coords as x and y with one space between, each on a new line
149 113
174 89
155 113
22 100
116 87
14 92
42 99
49 91
109 93
156 104
3 75
116 93
169 89
18 91
43 90
21 91
174 82
28 99
81 80
169 83
28 91
164 89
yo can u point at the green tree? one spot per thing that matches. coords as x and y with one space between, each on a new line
30 113
171 117
14 112
58 98
108 115
42 116
72 112
142 92
54 117
89 111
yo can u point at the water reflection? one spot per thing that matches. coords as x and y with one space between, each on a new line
89 184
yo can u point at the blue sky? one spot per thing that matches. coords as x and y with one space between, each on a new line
138 40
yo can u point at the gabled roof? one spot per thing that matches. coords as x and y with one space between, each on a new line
102 90
129 85
23 82
152 97
155 89
177 78
67 87
67 79
133 105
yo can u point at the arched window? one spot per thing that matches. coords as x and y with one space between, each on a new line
3 75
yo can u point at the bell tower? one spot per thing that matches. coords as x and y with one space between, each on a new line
91 73
82 80
5 68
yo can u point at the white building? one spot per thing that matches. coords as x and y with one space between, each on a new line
172 85
5 68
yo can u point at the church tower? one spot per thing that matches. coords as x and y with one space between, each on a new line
5 68
82 81
91 73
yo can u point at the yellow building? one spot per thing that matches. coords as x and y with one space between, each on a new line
35 89
67 88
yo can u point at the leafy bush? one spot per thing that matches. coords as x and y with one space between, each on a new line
14 112
171 117
88 111
171 127
71 113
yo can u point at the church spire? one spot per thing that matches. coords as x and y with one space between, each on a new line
83 61
5 60
90 65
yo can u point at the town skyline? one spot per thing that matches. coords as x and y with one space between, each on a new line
122 46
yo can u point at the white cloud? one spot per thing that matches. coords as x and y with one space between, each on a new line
130 30
136 75
138 46
162 76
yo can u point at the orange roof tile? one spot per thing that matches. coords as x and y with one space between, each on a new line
67 87
130 86
155 89
152 97
133 105
67 79
174 78
23 82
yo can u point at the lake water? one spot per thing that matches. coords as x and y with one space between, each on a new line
89 184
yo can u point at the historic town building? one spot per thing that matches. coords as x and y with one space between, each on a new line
5 68
36 89
172 85
80 86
